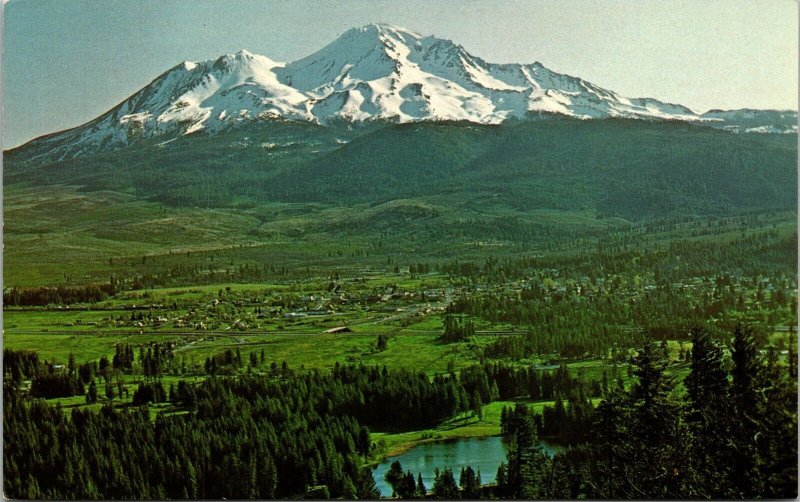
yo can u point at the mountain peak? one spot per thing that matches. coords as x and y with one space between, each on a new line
381 29
372 72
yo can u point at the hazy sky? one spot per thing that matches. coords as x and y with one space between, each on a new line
67 61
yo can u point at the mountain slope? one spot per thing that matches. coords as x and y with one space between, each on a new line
620 167
372 73
637 170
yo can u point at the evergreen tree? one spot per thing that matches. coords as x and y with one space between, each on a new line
526 461
422 490
638 440
777 442
476 405
746 373
363 444
444 485
658 465
469 483
709 419
91 394
110 391
394 476
407 487
366 488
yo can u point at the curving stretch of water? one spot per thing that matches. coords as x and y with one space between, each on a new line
484 454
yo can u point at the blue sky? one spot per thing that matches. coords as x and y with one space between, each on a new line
67 61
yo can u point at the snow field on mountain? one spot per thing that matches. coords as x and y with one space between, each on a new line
375 72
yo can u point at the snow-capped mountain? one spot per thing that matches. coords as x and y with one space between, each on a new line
376 72
748 120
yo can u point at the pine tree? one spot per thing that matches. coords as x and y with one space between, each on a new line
91 394
709 419
394 476
444 485
469 483
746 373
363 444
526 461
659 466
422 490
476 405
366 488
349 489
777 442
638 441
407 487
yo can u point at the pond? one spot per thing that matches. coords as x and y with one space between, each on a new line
484 454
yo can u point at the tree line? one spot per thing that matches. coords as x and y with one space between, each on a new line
732 435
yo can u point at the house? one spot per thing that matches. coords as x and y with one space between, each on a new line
339 329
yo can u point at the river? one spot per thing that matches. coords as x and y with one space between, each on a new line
484 454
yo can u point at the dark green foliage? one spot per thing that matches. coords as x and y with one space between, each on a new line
746 373
242 438
628 168
110 393
87 371
225 363
407 488
710 418
764 430
639 440
19 365
524 474
457 329
56 385
444 485
91 394
570 424
156 358
202 455
422 490
61 295
319 492
394 476
470 483
398 398
382 343
476 404
494 381
365 486
778 442
732 438
575 323
123 357
149 392
363 444
608 165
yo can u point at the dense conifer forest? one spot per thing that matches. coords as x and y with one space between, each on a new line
730 433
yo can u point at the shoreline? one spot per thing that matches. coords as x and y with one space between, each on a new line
404 447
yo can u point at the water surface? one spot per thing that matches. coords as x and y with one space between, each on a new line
484 454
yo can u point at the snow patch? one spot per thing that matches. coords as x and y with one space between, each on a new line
375 72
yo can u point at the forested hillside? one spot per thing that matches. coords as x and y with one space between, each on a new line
628 168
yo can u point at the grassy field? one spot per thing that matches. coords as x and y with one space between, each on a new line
61 234
274 277
464 425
